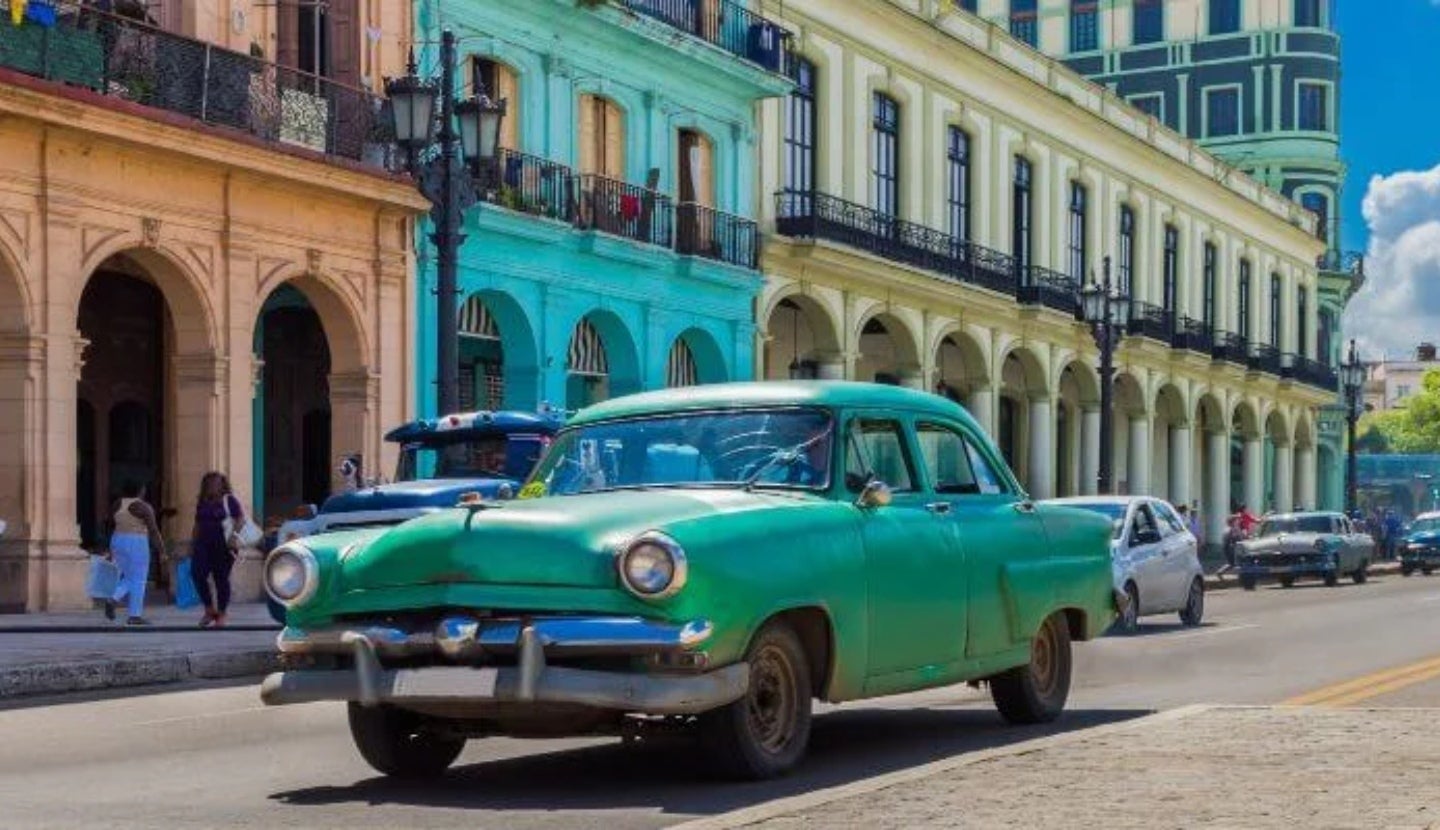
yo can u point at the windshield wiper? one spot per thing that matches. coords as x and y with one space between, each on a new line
781 458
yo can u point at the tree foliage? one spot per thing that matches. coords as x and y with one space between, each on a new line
1412 427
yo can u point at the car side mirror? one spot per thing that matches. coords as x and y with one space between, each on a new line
875 493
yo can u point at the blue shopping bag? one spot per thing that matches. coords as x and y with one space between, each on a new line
185 594
100 582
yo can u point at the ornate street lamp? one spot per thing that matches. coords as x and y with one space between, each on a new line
1106 310
443 179
1352 380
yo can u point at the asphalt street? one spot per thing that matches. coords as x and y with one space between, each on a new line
214 757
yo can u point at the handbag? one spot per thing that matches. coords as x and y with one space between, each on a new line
104 575
185 594
247 534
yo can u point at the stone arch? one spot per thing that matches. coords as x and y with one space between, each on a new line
803 340
1172 445
1214 468
960 367
602 360
1077 421
887 350
1130 435
1245 421
1024 392
186 295
503 349
1277 427
20 356
695 358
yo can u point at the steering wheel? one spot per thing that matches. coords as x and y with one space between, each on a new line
752 458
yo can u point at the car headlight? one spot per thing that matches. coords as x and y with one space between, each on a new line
652 566
291 575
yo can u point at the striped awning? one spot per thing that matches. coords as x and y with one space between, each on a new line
587 352
476 321
680 369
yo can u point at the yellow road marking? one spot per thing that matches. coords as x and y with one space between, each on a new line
1373 685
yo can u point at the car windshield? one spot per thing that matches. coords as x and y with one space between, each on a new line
479 457
1295 524
1113 511
1429 525
762 448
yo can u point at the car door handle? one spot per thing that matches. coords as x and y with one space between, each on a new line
1025 506
939 508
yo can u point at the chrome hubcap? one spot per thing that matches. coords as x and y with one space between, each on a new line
1044 660
770 703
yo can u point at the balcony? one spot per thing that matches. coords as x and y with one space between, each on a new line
1051 289
722 23
125 60
1152 321
626 210
1193 335
820 216
1311 373
1230 348
1265 358
1351 263
533 185
705 232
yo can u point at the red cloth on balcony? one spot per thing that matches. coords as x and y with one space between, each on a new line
629 206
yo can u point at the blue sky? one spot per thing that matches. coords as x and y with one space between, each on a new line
1390 99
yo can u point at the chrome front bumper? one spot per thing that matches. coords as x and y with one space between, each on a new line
529 681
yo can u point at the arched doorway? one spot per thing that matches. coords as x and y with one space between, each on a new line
1026 424
1280 471
961 375
602 362
1173 447
694 359
498 365
1077 430
294 465
1130 436
802 342
1247 452
887 352
1215 493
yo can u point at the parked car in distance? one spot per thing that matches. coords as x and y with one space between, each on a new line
1291 546
1420 547
716 556
1155 558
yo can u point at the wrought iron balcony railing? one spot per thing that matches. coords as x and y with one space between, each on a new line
1342 262
1231 348
124 59
1314 373
705 232
1152 321
1049 288
810 215
1265 358
722 23
533 185
1193 335
626 210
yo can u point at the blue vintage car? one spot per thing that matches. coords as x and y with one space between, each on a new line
1420 548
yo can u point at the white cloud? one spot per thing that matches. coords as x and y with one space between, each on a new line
1400 303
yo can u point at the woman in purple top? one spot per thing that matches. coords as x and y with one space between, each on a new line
212 552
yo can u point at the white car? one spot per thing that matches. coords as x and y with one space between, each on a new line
1155 558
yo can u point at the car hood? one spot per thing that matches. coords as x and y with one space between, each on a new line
1424 537
1285 543
555 541
411 495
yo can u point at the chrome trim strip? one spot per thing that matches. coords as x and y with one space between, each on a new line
461 637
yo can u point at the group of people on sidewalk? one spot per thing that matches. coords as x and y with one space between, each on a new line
214 547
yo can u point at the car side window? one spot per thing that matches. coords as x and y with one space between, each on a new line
988 481
946 459
876 448
1144 522
1170 520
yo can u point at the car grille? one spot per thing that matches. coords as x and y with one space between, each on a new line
1290 559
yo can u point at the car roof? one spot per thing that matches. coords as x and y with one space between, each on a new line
822 393
478 423
1433 514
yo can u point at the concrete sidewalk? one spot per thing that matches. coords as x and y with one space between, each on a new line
1218 581
1199 767
55 653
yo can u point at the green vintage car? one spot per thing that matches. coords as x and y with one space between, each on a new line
715 557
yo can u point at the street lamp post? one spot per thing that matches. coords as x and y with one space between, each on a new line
441 157
1107 311
1352 379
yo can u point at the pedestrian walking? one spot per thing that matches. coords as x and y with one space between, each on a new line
135 535
1392 532
213 548
1197 529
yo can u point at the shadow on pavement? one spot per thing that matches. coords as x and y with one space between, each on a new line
1155 629
846 745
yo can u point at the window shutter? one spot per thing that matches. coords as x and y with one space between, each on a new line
507 89
344 42
704 171
614 160
589 139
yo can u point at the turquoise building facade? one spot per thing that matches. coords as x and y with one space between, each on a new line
613 248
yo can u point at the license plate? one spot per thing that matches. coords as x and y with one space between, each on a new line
445 682
1279 569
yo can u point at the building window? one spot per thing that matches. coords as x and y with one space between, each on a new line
696 165
1323 337
1402 391
1302 309
1023 23
1171 268
1149 21
885 140
1222 112
1275 310
1243 289
1314 112
1307 13
969 5
1021 205
602 137
1127 249
958 158
1317 204
1078 212
1224 16
1152 105
499 82
1209 309
1084 25
800 130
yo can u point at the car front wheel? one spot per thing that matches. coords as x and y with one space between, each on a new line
397 743
765 733
1362 573
1036 692
1194 610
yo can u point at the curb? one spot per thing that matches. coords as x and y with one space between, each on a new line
794 804
95 675
1216 583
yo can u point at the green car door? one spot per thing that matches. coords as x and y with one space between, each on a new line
914 571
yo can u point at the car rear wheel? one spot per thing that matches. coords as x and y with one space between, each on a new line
1427 571
1036 692
1194 610
396 742
1287 582
1332 578
1406 570
1247 582
765 733
1362 573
